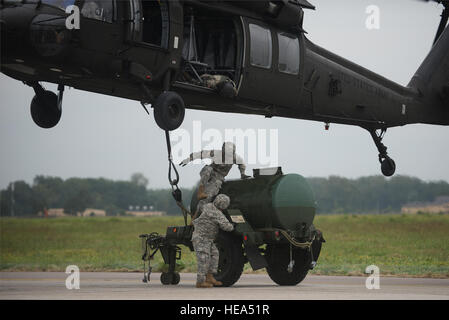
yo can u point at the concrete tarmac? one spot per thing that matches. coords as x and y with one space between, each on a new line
121 285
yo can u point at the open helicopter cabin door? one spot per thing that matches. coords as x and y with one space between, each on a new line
272 66
212 51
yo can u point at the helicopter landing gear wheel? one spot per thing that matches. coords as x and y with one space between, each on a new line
44 109
46 106
169 111
387 165
170 278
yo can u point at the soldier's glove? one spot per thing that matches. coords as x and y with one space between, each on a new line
184 162
244 176
200 195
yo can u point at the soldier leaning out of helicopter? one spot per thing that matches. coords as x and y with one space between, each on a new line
206 228
213 175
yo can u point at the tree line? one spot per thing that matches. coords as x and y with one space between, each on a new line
76 194
373 194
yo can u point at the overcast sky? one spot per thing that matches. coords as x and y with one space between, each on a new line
101 136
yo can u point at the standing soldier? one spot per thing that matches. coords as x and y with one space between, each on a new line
213 175
206 228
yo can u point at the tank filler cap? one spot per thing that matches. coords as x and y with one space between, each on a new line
274 171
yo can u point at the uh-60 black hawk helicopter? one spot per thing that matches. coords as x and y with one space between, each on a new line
236 56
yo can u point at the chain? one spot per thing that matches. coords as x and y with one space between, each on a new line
176 192
173 182
304 245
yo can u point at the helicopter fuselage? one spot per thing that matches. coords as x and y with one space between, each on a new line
121 50
225 56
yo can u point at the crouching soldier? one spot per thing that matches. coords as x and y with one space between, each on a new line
206 228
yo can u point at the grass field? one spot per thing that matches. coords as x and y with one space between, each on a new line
403 245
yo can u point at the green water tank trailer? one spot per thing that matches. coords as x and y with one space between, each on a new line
273 201
273 214
273 218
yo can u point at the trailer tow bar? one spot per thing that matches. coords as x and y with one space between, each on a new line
150 242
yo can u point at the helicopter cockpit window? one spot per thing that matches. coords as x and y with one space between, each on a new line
59 3
261 47
102 10
288 53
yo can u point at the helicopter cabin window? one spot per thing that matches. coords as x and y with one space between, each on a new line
260 46
102 10
155 23
288 53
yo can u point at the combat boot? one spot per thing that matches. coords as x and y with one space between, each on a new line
210 278
204 284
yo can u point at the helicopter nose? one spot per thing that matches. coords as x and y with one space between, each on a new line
14 25
16 18
26 31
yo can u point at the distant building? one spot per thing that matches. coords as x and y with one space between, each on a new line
145 213
56 212
89 212
59 212
440 205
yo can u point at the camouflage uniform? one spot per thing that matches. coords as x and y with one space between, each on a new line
205 231
213 175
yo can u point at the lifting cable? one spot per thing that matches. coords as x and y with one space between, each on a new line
176 192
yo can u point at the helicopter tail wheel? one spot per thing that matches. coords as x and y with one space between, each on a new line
169 111
388 166
45 109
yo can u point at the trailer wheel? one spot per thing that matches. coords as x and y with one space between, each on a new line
169 110
170 278
231 261
176 278
278 258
